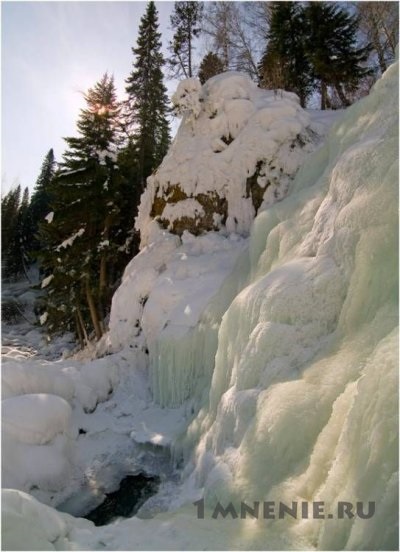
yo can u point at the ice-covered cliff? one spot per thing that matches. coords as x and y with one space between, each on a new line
236 152
282 352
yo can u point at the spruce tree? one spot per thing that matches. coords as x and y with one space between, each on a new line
147 103
210 66
84 241
185 21
16 230
284 63
332 49
24 233
10 205
40 201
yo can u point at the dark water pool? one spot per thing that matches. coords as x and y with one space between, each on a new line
133 491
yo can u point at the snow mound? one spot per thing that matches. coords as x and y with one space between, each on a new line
28 523
162 297
35 419
24 378
88 383
236 152
39 438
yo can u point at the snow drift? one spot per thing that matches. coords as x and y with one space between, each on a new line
38 435
297 349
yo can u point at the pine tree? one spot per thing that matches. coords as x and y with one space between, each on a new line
10 205
185 21
24 233
147 104
284 63
40 201
84 241
210 66
16 229
332 49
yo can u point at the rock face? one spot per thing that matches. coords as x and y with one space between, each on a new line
236 151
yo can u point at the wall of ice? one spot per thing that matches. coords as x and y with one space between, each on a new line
303 399
302 403
301 349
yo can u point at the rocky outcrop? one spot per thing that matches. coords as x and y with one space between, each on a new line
236 152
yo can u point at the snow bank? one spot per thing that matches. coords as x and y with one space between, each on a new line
24 378
35 419
37 442
235 153
88 383
39 437
26 523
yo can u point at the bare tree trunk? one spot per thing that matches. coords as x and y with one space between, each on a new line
103 274
93 311
378 46
103 280
324 93
182 65
79 331
25 269
190 52
341 95
82 325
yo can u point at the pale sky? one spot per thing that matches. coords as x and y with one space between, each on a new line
50 53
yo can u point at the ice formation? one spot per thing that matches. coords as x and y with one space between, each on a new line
295 339
236 152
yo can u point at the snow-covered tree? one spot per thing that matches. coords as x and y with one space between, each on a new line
83 240
39 205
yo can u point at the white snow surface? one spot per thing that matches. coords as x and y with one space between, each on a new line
272 363
69 241
35 419
168 284
263 127
46 281
50 217
43 318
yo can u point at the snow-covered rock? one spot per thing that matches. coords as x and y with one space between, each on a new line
236 152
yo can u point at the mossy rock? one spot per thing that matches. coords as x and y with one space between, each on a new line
213 204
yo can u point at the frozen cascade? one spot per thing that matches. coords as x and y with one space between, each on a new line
302 404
